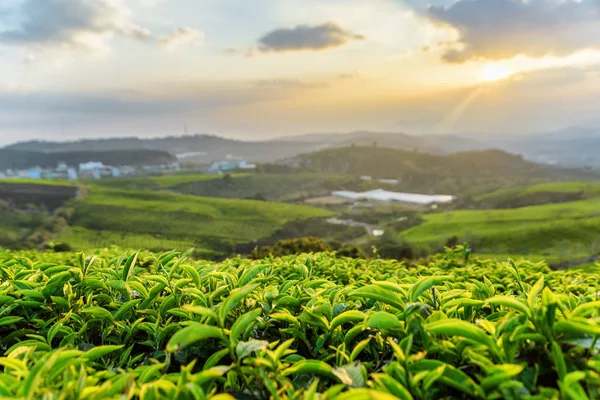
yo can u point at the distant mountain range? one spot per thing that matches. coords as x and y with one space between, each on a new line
207 148
199 148
436 144
571 147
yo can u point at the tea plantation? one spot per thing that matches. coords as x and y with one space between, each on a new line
162 220
152 326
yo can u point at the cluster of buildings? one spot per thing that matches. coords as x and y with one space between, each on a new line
220 167
87 170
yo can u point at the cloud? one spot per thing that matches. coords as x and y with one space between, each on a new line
182 36
306 37
78 24
501 29
288 84
552 77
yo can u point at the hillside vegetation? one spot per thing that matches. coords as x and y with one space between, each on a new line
164 182
175 221
569 230
457 173
277 187
30 211
153 326
543 193
16 226
21 194
273 187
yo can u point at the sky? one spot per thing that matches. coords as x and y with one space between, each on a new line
268 68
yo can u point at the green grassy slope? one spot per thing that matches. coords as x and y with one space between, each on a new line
268 186
27 181
27 205
16 226
174 220
154 182
566 229
454 173
543 193
274 187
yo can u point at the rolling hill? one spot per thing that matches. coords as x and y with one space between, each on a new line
543 193
198 148
29 210
438 144
164 220
566 231
50 195
206 148
273 187
457 173
573 146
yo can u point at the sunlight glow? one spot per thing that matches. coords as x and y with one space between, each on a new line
495 72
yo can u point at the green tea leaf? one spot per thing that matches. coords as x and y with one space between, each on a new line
510 302
242 323
234 299
100 351
312 367
244 349
192 334
383 321
455 327
346 317
421 286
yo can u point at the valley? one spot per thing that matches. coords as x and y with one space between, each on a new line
503 205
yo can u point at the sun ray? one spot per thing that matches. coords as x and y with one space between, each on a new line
495 72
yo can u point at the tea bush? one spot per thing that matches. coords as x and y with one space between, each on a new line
150 326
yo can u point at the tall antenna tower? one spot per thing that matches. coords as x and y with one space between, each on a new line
185 130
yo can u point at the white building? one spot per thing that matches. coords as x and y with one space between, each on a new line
71 174
34 173
62 167
345 194
230 165
127 171
91 166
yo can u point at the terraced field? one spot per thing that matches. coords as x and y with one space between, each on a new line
564 230
554 192
274 187
154 182
175 221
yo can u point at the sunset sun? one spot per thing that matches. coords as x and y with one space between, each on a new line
494 72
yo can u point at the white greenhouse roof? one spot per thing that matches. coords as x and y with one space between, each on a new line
386 196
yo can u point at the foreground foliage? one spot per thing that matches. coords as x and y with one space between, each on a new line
155 326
